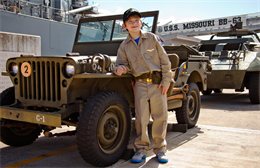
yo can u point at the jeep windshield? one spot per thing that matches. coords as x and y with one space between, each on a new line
98 29
104 34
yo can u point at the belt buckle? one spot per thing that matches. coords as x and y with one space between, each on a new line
148 80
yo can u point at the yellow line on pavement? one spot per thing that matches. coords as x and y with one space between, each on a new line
41 157
219 100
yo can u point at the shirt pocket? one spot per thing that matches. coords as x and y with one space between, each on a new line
150 54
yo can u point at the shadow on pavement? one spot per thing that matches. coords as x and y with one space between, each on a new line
71 158
174 140
235 101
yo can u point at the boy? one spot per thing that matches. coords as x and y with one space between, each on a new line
143 54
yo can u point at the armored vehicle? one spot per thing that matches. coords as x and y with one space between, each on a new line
235 59
80 90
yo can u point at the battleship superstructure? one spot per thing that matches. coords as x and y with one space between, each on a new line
54 20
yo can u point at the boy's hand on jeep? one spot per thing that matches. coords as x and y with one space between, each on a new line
120 70
164 89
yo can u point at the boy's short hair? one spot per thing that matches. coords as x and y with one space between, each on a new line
130 12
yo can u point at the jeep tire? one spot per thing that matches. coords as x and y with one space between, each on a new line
104 128
190 110
16 136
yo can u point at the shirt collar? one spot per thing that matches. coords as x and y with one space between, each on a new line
143 35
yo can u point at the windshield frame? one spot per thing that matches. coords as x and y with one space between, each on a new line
114 18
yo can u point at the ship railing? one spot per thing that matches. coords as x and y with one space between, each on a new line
36 10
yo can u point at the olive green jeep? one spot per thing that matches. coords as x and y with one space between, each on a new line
80 90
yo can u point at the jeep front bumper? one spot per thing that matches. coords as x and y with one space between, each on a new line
30 116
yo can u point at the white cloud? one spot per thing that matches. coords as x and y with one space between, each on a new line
188 19
164 21
119 10
174 20
103 12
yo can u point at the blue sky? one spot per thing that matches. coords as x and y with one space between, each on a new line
181 10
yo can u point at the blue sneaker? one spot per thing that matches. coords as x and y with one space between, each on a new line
162 158
138 157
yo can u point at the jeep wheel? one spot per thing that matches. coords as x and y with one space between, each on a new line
206 92
190 110
15 136
254 90
104 128
7 96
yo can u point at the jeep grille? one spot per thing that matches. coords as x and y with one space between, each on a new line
46 85
43 83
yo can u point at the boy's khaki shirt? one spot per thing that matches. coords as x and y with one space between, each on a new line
146 57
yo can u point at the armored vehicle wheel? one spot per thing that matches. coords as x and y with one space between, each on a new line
254 90
16 136
104 128
206 92
218 90
190 110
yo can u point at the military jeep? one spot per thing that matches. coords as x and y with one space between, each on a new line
80 90
235 59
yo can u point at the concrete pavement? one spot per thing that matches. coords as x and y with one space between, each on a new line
205 146
227 135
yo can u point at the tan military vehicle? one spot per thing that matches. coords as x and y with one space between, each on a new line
80 90
235 59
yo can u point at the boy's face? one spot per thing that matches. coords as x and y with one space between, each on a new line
133 23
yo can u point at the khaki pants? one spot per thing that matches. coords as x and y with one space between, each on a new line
150 101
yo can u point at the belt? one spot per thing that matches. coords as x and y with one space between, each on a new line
146 77
144 80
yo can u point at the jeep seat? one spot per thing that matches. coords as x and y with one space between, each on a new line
174 59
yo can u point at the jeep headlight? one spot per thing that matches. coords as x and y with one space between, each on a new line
69 69
14 69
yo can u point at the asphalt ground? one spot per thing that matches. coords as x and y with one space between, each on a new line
227 135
